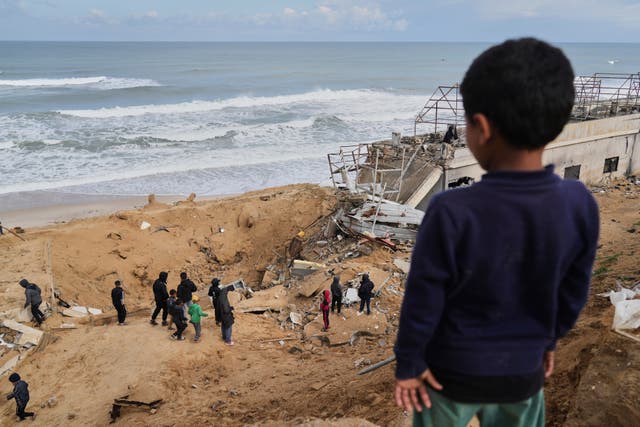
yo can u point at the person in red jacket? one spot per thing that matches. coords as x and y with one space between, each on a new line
325 305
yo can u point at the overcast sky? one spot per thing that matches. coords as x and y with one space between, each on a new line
321 20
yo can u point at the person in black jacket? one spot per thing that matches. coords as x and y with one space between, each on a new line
21 396
180 319
336 294
186 288
226 314
214 293
33 299
117 298
160 295
364 292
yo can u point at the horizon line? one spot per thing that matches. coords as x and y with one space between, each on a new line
304 41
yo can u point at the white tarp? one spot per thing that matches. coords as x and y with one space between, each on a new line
351 296
627 314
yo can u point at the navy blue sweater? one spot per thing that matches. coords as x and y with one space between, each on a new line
499 272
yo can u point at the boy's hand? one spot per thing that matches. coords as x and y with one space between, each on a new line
407 391
548 362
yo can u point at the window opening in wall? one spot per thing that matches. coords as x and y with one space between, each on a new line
610 165
461 182
572 172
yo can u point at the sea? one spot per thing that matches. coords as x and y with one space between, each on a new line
98 118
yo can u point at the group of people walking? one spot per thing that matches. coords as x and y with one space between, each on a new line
332 299
179 303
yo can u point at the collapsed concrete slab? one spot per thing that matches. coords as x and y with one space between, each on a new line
27 336
273 299
302 268
313 284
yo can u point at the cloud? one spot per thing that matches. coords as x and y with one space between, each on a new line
340 15
13 7
96 17
151 14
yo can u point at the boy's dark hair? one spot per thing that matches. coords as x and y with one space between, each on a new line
183 275
172 292
117 283
524 87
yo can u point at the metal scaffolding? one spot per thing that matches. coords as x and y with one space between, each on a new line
442 109
598 96
606 94
359 169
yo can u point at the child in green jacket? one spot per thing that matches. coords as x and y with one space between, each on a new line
195 311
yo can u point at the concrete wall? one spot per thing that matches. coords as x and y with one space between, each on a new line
587 144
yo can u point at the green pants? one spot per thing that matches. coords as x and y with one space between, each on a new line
448 413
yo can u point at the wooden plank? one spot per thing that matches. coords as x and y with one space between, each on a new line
50 273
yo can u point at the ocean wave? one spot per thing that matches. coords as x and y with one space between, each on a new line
187 165
199 106
100 82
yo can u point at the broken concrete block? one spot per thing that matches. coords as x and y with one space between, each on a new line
28 337
303 268
365 250
313 284
274 299
296 318
402 265
70 312
269 278
52 401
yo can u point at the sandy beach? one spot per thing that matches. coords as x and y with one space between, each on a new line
41 208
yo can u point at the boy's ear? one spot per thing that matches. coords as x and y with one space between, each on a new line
484 128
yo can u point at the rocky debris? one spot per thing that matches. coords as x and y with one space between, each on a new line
52 402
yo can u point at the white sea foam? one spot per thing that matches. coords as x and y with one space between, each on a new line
187 165
100 82
319 96
48 141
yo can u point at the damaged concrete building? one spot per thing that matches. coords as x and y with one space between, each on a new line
601 142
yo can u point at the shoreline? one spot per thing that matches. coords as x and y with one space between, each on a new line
43 208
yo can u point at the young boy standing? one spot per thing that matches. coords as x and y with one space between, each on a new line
21 395
179 319
195 311
501 269
171 302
